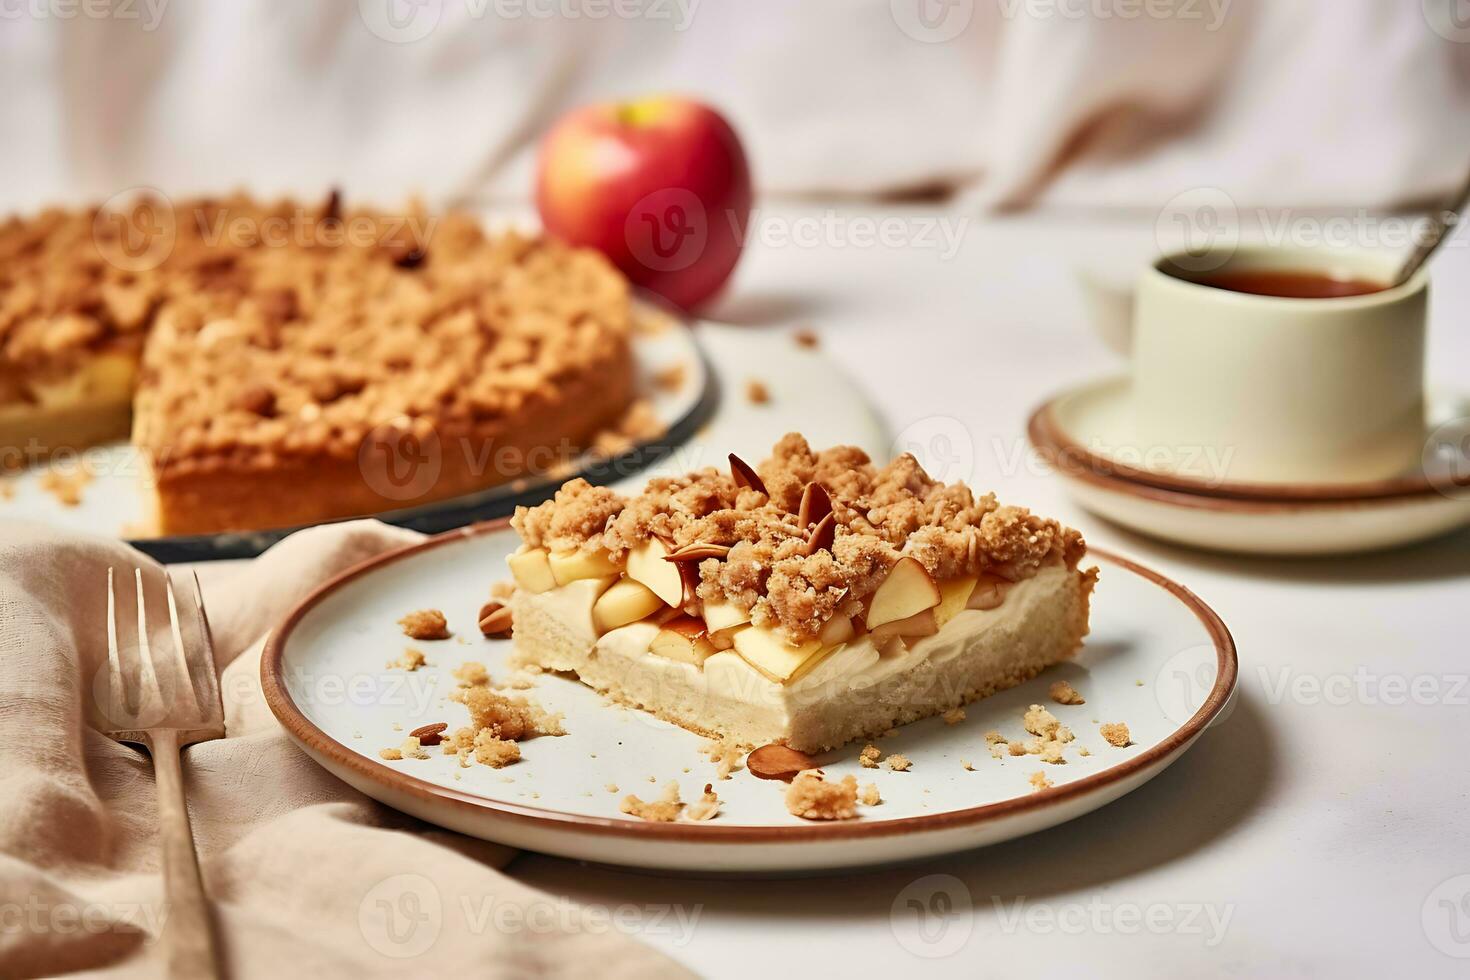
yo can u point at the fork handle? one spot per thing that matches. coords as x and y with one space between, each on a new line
188 932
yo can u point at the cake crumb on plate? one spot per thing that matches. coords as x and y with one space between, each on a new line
410 660
1063 693
425 624
813 798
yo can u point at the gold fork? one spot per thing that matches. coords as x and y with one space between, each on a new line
159 691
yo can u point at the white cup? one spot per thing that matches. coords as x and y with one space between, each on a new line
1278 389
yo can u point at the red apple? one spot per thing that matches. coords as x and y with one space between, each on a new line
659 185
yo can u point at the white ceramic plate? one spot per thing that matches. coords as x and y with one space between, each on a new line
112 504
1157 659
1284 524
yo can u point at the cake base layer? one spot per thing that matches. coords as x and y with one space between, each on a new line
857 692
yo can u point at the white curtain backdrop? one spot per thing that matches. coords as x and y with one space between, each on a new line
1090 103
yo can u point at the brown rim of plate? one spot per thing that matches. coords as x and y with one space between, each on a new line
1077 460
301 729
1063 463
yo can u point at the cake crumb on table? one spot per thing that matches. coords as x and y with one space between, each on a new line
870 795
66 485
425 624
813 798
1016 748
869 756
1039 781
611 787
806 338
898 763
954 716
1063 693
757 393
410 660
1116 734
965 765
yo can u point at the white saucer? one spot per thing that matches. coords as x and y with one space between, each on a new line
1157 659
1093 425
1376 517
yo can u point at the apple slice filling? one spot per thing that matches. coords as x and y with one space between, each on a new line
654 587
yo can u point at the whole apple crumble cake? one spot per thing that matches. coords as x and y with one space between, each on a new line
810 601
286 363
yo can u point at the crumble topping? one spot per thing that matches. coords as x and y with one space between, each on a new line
1039 781
881 513
757 393
1063 693
869 756
1116 733
898 763
869 795
954 716
425 624
813 798
312 323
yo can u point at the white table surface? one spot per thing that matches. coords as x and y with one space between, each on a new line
1321 830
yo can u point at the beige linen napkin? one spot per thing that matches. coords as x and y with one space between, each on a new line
307 876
